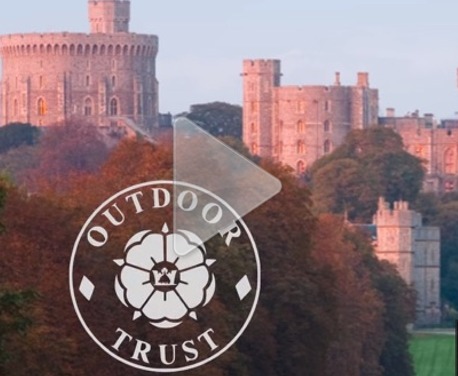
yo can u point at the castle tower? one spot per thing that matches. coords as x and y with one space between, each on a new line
109 16
415 251
260 77
97 78
396 236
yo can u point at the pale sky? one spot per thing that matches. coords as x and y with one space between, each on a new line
409 47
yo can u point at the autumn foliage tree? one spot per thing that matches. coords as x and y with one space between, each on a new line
325 306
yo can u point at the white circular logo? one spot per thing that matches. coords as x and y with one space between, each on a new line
160 299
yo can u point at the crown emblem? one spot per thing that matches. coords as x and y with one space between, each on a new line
165 277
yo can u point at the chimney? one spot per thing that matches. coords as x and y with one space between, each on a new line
337 81
363 79
390 112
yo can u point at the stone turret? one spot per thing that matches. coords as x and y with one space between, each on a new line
415 251
109 16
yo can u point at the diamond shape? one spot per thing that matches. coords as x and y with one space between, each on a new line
243 287
87 288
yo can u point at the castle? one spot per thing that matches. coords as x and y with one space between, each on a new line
299 124
54 77
415 251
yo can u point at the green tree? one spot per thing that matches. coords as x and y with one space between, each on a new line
217 118
369 164
17 134
14 318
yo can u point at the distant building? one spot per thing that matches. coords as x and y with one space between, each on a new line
435 143
53 77
415 251
299 124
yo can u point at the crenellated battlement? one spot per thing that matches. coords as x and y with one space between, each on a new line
78 44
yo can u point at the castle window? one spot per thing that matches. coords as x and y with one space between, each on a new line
300 146
88 107
300 167
327 106
254 148
327 146
449 186
300 106
327 126
253 106
113 81
40 82
15 107
139 104
88 80
450 161
114 107
41 107
300 127
253 128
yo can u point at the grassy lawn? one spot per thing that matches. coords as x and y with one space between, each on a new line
434 355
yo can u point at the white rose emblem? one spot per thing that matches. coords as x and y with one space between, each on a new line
158 282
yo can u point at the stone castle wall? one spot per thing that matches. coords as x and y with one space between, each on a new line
415 251
299 124
436 144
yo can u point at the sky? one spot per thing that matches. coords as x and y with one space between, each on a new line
409 47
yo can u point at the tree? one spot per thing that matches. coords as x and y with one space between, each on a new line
398 308
320 310
14 318
17 134
369 164
66 150
217 118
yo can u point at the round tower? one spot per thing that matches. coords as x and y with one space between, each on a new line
54 77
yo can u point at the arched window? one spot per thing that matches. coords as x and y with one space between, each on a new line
114 107
300 146
300 127
450 161
327 146
254 148
88 107
41 107
15 107
113 81
253 128
327 126
300 167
